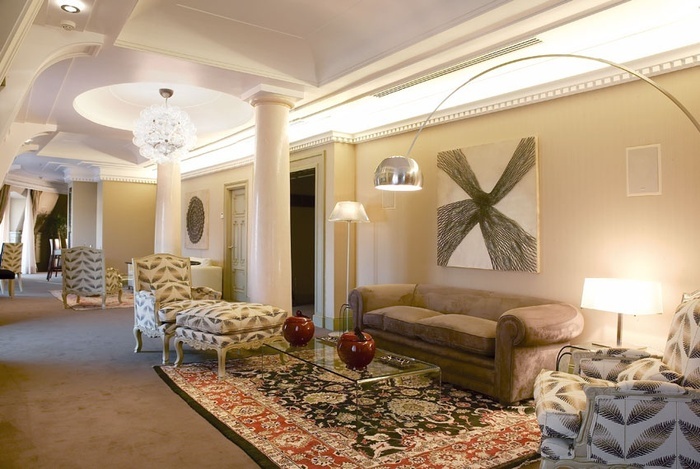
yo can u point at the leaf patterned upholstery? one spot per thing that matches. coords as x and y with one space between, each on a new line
84 274
11 259
625 408
159 280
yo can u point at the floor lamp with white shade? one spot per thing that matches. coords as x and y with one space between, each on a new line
348 212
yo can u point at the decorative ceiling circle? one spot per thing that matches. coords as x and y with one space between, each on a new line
118 106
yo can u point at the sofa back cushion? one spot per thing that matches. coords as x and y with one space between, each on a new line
388 294
478 303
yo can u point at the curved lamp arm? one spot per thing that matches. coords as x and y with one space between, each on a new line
394 160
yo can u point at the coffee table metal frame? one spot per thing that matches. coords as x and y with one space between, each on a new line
321 353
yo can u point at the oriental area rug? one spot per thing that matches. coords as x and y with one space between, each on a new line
95 302
293 415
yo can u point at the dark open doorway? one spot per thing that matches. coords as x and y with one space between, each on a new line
303 233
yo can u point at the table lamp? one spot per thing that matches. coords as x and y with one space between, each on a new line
622 296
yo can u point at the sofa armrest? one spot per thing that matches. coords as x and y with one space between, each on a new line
527 340
539 325
368 298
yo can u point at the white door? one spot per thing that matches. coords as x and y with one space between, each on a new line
238 236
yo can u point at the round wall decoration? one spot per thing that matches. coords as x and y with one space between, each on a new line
195 219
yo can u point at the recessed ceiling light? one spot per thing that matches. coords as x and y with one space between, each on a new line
70 8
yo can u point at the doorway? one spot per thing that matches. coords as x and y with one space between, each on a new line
236 254
302 186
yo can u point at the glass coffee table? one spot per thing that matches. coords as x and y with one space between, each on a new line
424 379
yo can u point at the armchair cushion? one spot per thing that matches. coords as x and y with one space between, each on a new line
649 369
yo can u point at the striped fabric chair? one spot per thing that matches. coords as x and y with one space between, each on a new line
625 408
11 259
84 274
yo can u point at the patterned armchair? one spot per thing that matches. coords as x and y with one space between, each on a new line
84 274
11 259
163 280
625 408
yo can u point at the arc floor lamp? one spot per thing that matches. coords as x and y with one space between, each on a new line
402 173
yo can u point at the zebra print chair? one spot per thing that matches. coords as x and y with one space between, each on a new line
84 274
625 408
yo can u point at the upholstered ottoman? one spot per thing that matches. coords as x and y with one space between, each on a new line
223 326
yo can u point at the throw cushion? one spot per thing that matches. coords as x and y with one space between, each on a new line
403 320
559 401
649 369
458 331
172 291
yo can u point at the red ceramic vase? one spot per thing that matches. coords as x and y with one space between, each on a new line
356 349
298 330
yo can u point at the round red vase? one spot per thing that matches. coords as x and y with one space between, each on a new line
298 330
356 349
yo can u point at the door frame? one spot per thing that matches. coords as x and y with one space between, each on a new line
316 162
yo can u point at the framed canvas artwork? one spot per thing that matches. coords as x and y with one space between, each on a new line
487 215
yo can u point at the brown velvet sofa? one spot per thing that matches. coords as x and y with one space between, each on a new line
492 343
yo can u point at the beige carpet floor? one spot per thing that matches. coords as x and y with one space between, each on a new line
73 394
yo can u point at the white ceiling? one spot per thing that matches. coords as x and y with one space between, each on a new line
338 55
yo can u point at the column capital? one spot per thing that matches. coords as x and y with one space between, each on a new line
272 94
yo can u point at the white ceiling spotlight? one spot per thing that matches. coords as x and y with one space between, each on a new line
71 8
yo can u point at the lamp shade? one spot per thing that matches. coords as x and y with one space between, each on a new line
623 296
349 211
398 173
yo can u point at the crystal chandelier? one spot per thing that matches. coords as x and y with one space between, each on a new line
162 133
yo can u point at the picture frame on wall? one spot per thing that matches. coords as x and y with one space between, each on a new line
197 220
488 206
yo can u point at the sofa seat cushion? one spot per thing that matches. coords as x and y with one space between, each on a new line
560 401
402 320
221 317
475 335
395 316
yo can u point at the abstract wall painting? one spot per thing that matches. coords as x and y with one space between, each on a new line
196 220
487 213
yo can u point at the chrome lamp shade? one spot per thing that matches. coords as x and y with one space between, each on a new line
398 173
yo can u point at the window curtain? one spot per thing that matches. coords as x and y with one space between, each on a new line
4 222
29 248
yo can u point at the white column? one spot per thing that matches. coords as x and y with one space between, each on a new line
168 236
270 267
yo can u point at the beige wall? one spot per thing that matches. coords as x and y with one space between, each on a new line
589 227
128 221
216 185
85 214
